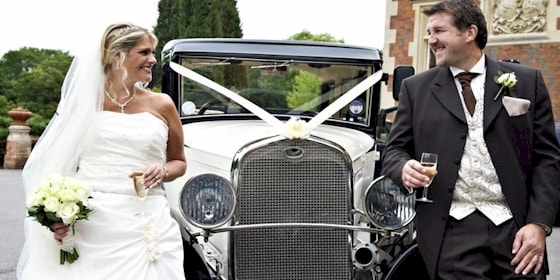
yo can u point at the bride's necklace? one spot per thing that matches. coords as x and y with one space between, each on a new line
121 105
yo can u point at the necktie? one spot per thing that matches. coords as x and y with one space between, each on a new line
465 80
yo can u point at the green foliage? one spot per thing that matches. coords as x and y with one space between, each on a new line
307 86
4 125
5 121
305 35
37 123
31 78
179 19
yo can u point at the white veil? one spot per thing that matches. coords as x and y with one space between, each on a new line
58 150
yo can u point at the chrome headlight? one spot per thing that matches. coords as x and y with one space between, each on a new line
207 201
387 206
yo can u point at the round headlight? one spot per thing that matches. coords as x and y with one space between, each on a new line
207 201
387 206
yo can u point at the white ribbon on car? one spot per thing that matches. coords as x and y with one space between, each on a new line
242 101
271 119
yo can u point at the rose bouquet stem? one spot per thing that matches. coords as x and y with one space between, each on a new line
68 251
69 257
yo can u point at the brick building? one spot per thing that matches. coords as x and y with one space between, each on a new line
525 30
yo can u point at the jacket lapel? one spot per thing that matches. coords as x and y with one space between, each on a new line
491 107
446 93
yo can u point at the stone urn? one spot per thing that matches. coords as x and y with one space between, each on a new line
18 143
19 116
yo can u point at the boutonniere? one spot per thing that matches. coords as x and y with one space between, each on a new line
506 81
296 129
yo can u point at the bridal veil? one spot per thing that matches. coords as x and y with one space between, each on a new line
58 150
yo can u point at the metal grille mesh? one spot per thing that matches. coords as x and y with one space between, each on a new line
274 189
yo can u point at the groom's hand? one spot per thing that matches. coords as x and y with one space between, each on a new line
528 248
413 175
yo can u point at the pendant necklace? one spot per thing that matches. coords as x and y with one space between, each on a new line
121 105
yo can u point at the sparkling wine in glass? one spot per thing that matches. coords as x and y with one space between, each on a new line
429 161
139 187
141 191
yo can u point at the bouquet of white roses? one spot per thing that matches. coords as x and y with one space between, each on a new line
60 199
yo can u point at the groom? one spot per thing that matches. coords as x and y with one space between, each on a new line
496 191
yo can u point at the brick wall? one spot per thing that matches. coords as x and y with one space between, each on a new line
545 56
403 24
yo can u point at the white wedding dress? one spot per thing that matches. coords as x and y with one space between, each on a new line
124 238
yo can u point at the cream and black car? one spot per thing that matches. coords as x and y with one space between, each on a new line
282 141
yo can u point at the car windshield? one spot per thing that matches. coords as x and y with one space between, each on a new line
281 87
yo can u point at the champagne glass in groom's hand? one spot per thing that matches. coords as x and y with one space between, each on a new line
429 162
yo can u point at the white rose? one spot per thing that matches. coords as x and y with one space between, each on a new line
68 196
296 128
67 212
33 201
51 204
508 80
36 198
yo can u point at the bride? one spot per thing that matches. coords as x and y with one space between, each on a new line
106 129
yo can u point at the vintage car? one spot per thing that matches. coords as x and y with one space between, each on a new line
281 181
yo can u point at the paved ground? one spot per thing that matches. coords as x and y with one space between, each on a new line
12 211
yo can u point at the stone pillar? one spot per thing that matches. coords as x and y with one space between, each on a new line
18 144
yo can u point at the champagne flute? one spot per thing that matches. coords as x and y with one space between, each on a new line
140 189
429 161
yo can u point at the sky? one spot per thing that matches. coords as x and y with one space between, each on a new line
69 24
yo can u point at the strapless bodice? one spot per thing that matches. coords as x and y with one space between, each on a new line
118 144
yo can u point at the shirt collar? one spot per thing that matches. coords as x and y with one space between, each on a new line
477 68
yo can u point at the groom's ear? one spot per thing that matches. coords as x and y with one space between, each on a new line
472 32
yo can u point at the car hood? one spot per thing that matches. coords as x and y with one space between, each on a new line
218 141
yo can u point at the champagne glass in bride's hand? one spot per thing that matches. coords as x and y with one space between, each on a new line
139 187
429 162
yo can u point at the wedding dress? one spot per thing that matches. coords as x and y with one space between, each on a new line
125 237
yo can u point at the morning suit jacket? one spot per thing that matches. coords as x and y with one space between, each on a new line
524 149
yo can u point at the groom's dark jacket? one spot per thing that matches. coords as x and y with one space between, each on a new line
524 149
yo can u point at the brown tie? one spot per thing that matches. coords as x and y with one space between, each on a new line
465 80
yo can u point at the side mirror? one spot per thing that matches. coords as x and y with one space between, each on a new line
400 73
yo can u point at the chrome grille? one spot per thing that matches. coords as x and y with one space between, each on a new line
274 189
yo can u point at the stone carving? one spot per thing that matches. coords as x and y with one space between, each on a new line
519 16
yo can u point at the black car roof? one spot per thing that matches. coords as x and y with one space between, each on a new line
289 49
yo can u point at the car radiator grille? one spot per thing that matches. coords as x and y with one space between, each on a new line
312 189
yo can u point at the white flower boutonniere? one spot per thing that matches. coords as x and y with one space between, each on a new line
506 81
296 128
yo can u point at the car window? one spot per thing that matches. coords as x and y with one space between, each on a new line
280 87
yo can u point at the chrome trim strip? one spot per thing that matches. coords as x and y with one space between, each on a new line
305 225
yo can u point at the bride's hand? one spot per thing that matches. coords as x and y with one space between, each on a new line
60 231
154 175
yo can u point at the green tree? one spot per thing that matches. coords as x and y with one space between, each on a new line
180 19
305 35
306 85
32 78
5 106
